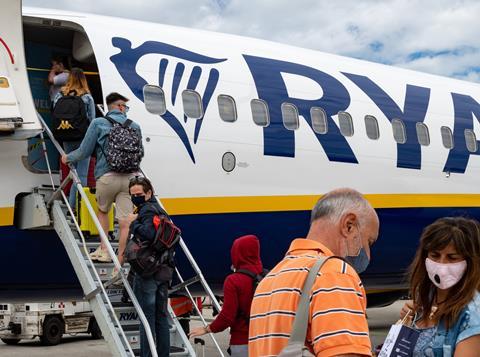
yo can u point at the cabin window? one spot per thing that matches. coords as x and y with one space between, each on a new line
290 116
346 123
399 133
192 104
319 120
154 99
422 134
260 112
371 126
447 137
470 140
227 108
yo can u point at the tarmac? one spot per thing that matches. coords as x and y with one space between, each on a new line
379 319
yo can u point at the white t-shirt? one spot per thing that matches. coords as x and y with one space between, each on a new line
58 82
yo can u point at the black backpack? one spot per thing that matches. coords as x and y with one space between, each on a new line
124 150
69 118
157 257
256 278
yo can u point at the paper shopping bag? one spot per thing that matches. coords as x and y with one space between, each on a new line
400 342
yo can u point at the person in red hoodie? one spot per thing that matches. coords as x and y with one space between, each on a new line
238 290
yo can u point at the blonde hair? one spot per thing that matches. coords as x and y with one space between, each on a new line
77 82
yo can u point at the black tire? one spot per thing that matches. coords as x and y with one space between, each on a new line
53 330
10 341
94 329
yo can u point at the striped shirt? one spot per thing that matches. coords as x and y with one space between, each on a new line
337 322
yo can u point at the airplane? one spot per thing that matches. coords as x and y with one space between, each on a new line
242 136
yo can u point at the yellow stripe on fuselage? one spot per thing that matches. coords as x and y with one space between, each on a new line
238 204
204 205
6 216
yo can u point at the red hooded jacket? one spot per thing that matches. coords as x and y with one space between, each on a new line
238 290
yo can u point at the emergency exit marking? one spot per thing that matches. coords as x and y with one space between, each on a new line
102 271
4 82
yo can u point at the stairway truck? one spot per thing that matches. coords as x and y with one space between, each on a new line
48 321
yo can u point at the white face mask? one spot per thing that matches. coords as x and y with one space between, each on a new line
444 276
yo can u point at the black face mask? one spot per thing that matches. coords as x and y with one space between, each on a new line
138 200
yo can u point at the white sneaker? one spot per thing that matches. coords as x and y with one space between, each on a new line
116 277
103 257
94 255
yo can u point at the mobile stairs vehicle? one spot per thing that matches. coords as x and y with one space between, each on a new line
118 321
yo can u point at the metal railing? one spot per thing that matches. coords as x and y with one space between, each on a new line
103 238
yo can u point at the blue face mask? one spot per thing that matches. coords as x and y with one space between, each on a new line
360 261
138 200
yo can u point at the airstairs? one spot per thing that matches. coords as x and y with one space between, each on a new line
118 320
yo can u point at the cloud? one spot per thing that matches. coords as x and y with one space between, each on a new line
436 36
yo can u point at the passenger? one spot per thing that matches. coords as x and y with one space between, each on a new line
57 77
77 85
111 186
342 224
152 292
238 290
444 283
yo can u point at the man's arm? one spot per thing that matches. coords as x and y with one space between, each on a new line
86 147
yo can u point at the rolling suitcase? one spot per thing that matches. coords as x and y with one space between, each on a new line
86 222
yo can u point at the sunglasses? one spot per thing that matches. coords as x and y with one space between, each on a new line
137 179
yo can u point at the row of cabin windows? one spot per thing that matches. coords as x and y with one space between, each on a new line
193 108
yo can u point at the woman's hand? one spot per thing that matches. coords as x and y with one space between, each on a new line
407 309
199 331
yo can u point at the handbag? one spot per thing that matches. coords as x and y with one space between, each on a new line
400 341
296 342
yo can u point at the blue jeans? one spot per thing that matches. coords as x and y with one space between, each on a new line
81 167
152 296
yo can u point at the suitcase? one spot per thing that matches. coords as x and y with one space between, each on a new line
86 222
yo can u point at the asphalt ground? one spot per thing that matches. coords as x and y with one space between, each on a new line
379 319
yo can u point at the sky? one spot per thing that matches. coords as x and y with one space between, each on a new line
434 36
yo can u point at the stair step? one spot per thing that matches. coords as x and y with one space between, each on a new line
92 246
105 270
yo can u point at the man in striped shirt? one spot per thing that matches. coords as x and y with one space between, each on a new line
342 224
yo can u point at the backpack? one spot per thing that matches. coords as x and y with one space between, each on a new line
156 257
124 149
69 118
256 278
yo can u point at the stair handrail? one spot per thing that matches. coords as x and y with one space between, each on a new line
103 237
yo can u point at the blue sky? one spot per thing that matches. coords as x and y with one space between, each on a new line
435 36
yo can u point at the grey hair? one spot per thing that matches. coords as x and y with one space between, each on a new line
335 204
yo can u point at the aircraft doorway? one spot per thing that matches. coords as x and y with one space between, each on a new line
45 40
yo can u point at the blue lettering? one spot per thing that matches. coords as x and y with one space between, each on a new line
278 141
409 155
464 107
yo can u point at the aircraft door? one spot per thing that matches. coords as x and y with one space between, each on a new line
18 117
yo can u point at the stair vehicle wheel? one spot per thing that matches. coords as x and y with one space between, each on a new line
10 341
53 329
94 329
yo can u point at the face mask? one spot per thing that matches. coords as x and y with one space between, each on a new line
138 200
444 276
360 260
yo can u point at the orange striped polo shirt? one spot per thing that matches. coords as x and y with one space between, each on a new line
337 322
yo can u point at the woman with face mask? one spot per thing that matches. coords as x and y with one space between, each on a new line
151 292
444 282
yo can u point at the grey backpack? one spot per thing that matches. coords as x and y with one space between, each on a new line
296 342
124 150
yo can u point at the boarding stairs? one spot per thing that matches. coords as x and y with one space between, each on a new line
118 318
